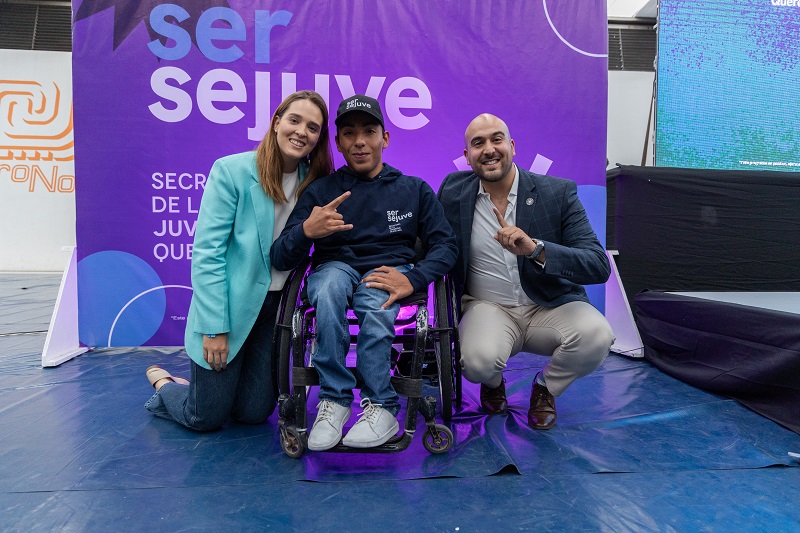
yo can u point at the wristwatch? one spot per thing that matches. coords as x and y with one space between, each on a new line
536 251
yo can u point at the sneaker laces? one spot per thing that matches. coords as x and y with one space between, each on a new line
325 411
370 412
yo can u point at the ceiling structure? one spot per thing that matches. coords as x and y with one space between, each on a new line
616 8
632 9
46 25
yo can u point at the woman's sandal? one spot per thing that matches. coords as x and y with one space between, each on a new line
155 374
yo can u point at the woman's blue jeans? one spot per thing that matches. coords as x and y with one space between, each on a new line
244 390
331 288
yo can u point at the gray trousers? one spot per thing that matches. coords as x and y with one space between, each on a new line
576 336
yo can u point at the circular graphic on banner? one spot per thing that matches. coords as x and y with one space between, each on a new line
571 35
110 282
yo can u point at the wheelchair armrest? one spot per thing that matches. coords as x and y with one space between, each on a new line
416 298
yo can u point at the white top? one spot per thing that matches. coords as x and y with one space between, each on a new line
282 211
492 272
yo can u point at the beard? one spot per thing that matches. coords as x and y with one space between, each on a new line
493 176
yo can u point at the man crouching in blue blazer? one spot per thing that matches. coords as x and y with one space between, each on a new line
525 250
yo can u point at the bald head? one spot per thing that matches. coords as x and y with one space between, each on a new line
489 148
483 122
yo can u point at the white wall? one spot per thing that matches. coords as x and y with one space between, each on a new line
37 169
631 8
629 95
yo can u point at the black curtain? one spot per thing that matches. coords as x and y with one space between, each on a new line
746 353
704 230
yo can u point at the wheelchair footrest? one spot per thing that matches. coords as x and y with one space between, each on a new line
398 443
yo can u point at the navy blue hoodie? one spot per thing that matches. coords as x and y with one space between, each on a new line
388 212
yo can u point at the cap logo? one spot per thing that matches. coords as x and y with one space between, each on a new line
356 103
360 102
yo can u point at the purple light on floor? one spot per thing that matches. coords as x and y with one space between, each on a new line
407 312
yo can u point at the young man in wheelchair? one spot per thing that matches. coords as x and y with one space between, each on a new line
363 222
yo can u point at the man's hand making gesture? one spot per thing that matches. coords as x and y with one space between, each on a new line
514 239
324 221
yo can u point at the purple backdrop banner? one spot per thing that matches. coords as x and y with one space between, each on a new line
162 89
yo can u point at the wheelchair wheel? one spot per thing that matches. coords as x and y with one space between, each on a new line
284 363
292 443
438 439
290 297
444 352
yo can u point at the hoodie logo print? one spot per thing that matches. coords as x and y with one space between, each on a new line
393 216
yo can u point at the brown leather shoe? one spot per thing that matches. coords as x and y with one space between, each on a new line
542 414
494 400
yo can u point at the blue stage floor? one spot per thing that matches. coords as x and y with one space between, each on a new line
633 450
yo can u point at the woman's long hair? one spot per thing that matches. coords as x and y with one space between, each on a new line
269 160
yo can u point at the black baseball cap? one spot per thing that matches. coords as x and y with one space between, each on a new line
362 103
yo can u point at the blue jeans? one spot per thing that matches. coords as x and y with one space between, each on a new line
331 288
244 390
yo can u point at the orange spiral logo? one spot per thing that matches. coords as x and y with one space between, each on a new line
35 124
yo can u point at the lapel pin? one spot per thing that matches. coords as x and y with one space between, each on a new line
529 201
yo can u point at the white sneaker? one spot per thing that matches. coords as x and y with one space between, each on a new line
376 426
327 430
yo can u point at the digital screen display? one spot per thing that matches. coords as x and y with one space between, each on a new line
728 92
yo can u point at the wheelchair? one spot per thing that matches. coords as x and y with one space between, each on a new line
428 353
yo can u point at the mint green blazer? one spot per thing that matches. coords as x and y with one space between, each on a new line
230 257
